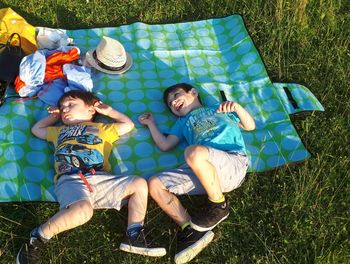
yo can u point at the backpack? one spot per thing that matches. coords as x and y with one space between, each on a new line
10 59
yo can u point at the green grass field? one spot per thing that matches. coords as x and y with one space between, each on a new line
295 214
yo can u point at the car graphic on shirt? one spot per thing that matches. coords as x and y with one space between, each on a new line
79 156
89 139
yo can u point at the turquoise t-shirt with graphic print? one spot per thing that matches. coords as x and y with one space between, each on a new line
203 126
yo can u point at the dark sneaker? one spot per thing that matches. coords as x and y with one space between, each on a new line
139 245
190 242
30 251
210 216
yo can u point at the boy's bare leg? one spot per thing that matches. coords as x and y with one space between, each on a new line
167 201
197 157
135 240
137 192
217 208
68 218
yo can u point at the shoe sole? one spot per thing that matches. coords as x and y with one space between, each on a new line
17 257
189 253
150 252
203 229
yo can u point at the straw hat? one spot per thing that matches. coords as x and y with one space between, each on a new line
109 57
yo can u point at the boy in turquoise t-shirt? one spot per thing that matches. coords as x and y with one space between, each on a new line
216 162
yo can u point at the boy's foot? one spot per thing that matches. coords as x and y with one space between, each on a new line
210 216
139 245
190 243
30 251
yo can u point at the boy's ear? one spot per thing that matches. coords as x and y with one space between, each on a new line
194 91
92 110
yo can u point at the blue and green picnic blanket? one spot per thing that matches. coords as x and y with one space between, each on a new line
214 55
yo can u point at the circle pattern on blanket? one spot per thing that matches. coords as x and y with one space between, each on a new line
116 96
36 158
147 164
8 189
10 170
20 122
17 136
123 151
50 194
3 121
143 149
30 191
33 174
213 55
167 160
14 153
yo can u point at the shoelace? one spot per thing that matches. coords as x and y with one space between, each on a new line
208 211
145 236
187 232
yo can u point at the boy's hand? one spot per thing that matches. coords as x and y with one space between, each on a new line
146 119
53 110
103 108
227 107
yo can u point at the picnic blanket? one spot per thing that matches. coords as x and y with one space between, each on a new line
214 55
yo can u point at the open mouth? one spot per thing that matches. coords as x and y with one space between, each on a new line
66 117
179 106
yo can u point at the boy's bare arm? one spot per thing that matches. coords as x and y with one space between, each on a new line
163 142
246 120
40 128
124 123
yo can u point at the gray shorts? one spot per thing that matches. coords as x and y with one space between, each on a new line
231 169
108 190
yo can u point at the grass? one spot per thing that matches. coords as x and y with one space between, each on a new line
295 214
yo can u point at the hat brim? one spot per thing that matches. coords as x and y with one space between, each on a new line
90 59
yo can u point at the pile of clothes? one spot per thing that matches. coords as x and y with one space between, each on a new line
47 61
47 74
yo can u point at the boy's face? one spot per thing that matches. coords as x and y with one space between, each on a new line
181 102
74 111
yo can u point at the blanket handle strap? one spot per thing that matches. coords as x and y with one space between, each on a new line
223 96
290 97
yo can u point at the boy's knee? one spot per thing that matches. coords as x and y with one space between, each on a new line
195 153
154 185
140 184
84 210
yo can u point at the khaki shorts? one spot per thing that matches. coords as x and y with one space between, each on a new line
108 190
231 169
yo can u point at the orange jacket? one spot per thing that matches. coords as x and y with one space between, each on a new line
54 63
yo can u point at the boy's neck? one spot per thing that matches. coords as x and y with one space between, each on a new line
195 106
79 123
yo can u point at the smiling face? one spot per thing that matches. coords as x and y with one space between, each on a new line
181 102
74 111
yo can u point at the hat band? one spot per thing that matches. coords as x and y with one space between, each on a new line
104 66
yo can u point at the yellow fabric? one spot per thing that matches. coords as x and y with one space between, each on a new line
183 226
221 200
11 22
92 137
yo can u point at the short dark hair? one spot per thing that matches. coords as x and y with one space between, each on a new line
184 86
89 98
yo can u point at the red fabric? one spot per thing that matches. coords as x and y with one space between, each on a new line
85 180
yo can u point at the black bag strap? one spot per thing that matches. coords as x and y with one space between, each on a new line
11 37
